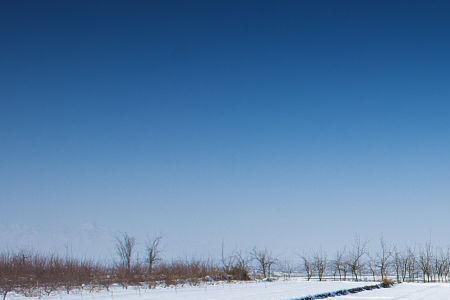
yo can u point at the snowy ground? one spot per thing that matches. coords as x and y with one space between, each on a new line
277 290
406 291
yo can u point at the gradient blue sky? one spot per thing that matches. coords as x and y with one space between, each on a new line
287 124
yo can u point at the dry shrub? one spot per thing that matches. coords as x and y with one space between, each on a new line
191 272
387 282
34 274
238 273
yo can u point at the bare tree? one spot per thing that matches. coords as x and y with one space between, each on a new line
287 269
373 267
339 263
320 264
425 262
345 269
235 266
428 254
383 257
125 248
265 261
227 261
404 259
308 267
153 253
240 266
9 274
447 265
397 262
440 264
356 254
411 264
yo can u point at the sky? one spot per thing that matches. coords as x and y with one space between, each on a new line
290 125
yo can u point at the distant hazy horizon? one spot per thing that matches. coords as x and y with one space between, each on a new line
289 125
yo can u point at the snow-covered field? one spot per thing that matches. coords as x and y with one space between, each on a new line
406 291
277 290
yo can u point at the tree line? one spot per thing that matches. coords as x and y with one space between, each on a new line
411 264
34 274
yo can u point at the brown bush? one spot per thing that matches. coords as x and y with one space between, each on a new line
34 274
387 282
191 272
238 273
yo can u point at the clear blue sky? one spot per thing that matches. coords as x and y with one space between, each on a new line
287 124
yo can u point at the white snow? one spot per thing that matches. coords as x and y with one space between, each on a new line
277 290
406 291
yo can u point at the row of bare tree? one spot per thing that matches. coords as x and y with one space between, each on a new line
31 273
425 264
